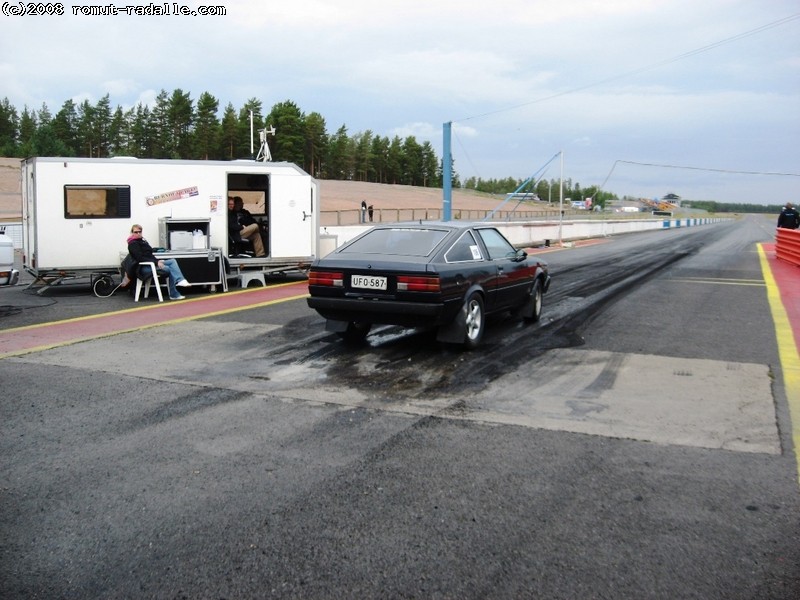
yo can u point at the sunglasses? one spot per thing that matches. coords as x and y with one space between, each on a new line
137 231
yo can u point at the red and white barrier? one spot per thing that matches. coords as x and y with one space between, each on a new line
787 245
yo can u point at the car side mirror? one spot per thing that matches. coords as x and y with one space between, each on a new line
520 255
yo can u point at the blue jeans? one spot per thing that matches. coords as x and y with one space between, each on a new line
174 275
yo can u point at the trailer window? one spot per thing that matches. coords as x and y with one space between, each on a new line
97 202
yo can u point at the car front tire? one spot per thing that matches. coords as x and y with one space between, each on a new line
534 311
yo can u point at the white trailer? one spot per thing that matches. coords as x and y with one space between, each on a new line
77 213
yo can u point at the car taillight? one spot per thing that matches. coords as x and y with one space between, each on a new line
326 278
418 284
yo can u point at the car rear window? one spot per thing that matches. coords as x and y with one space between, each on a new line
399 242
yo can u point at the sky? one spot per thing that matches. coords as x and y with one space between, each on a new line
700 98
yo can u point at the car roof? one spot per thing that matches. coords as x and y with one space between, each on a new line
454 225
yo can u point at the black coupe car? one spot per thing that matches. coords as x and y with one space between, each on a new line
447 275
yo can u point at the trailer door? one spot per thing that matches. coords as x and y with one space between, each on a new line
293 217
28 189
285 203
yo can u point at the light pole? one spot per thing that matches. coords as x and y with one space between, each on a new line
447 172
561 201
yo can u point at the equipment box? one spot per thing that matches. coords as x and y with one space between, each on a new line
200 267
169 227
180 240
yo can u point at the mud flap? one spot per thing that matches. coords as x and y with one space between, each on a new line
336 326
453 333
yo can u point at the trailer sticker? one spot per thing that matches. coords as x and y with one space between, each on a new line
172 196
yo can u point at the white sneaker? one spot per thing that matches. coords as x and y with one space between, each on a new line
178 297
183 283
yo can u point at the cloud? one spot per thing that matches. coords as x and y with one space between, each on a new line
664 80
120 87
425 131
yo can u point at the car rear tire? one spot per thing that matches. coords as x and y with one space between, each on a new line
355 332
474 321
535 300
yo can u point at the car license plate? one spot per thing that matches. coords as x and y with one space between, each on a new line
367 282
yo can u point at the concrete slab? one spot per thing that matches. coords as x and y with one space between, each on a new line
691 402
660 399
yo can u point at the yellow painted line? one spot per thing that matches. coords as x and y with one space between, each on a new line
787 352
236 309
753 282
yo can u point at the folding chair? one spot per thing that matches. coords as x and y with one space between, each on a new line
147 281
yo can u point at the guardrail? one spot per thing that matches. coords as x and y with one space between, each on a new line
353 216
536 233
787 246
335 218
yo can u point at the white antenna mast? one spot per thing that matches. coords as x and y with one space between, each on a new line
264 154
251 134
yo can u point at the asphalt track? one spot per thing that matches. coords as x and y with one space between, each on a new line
781 280
263 459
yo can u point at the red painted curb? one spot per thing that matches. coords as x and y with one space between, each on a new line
787 278
16 341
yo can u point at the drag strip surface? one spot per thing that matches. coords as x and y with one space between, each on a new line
633 444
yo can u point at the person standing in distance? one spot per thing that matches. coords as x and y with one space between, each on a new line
789 217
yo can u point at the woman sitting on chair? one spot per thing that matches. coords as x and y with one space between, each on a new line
141 252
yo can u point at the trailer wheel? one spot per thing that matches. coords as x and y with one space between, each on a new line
103 286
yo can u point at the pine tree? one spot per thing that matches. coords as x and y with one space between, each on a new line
206 128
